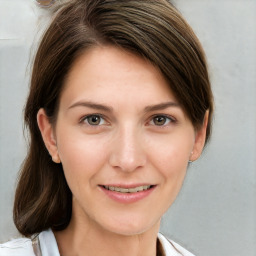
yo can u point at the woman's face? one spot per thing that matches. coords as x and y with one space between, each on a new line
123 140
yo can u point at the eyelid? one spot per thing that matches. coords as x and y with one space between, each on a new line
171 118
85 117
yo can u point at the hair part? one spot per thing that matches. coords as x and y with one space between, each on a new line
154 30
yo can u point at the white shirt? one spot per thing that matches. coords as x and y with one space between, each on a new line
48 244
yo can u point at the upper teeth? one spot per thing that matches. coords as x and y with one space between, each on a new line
127 190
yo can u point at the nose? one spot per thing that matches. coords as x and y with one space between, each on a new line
127 152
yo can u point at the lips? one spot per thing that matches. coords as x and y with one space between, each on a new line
128 190
127 194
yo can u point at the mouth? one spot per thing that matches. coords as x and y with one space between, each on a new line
126 194
128 190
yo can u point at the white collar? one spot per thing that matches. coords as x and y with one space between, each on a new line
171 248
49 245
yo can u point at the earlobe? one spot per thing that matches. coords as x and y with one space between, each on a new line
199 139
47 132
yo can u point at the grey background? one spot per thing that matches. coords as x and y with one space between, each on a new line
216 209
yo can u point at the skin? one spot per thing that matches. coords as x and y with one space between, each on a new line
140 135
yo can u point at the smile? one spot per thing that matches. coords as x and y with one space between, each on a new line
128 190
127 194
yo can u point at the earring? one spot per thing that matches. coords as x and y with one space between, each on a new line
190 161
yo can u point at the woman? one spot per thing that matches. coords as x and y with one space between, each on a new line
120 102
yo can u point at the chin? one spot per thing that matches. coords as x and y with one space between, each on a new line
132 227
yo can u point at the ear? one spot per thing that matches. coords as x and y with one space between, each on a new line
47 132
199 139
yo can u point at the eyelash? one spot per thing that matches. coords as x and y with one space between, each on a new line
85 119
167 120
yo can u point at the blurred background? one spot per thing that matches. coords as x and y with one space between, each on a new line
215 213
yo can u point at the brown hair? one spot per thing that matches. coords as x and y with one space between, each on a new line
154 30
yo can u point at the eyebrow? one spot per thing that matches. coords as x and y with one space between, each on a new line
91 105
106 108
161 106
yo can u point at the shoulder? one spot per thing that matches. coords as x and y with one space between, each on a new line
17 247
23 246
171 248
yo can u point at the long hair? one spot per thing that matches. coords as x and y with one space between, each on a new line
153 30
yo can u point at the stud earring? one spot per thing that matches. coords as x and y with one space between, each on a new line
190 161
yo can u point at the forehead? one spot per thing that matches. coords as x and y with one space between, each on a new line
108 73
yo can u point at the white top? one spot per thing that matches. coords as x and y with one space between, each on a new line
48 244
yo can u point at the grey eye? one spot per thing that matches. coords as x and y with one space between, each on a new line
160 120
94 120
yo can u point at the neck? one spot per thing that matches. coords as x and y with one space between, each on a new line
81 237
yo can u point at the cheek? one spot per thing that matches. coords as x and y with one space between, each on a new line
81 155
170 154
